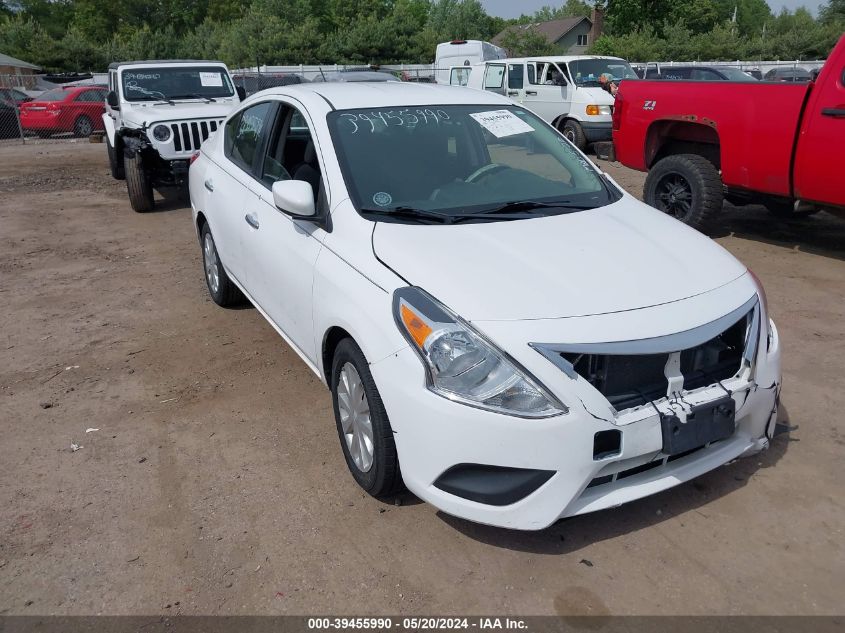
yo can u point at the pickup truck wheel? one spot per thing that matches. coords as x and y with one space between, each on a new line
687 187
366 437
222 290
575 133
138 184
115 165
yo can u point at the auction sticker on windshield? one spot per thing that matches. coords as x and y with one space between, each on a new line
211 79
501 123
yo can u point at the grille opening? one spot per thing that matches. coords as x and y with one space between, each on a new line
637 379
607 444
606 479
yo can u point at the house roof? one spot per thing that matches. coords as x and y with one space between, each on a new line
8 60
552 30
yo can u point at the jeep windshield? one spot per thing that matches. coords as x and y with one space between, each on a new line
450 163
587 72
167 84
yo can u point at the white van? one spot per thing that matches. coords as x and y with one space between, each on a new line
563 90
453 59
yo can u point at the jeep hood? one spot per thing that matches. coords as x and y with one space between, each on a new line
620 257
140 114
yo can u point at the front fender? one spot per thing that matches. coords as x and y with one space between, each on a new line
108 125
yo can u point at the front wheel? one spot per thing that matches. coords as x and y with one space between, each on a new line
687 187
575 133
222 290
138 184
366 437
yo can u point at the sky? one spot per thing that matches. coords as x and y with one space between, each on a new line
514 8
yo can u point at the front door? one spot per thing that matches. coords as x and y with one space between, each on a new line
516 82
816 178
549 94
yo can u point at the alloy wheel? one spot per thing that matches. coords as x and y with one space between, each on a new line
673 195
355 418
212 271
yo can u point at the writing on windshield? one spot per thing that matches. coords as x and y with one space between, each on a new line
377 120
176 83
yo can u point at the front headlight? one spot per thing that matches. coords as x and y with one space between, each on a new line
596 110
161 133
463 366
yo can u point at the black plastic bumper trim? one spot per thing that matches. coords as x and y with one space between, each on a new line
491 485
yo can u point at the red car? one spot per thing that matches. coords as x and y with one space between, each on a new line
77 109
762 142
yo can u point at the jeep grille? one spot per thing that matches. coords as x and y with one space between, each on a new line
189 136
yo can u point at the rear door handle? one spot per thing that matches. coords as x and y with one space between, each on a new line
251 220
513 93
533 93
836 113
208 185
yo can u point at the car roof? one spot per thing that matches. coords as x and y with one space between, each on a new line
158 62
358 94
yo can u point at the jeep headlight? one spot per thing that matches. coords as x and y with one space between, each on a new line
161 133
463 366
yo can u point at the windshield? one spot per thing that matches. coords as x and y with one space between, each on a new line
586 72
734 74
451 161
158 84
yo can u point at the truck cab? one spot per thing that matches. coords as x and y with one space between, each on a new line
158 113
566 91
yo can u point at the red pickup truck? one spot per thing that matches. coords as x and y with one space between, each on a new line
776 144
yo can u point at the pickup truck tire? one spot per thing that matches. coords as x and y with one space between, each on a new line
575 133
687 187
138 184
115 165
363 427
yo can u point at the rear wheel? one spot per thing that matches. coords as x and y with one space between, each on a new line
687 187
575 133
138 184
82 127
115 162
366 437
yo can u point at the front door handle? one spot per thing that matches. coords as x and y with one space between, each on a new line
837 113
251 220
208 185
533 93
513 93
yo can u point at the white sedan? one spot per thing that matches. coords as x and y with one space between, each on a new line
503 329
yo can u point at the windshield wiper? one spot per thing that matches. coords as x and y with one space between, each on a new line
195 96
410 213
528 205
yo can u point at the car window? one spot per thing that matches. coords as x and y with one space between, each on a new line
56 94
532 73
459 76
494 76
291 153
244 136
515 76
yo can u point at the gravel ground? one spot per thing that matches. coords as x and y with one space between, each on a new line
214 482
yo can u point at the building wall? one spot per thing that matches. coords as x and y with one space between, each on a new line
15 77
568 44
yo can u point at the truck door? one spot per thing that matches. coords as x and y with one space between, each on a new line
494 78
548 92
817 174
516 82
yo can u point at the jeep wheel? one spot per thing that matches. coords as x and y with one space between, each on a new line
573 131
687 187
115 163
82 127
138 184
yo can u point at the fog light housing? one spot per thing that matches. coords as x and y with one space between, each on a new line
161 133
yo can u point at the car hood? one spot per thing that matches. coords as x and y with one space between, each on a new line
147 114
597 95
624 256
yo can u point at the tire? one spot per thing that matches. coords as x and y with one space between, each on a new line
785 209
379 474
138 184
687 187
222 290
82 127
115 165
575 133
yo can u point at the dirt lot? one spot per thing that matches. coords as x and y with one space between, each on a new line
215 483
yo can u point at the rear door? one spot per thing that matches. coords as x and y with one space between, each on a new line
816 176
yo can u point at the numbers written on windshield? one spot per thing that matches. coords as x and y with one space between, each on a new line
368 121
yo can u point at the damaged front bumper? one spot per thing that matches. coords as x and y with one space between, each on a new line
526 474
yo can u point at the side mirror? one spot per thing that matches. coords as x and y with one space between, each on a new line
241 92
295 197
111 99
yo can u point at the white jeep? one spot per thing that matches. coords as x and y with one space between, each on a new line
158 113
